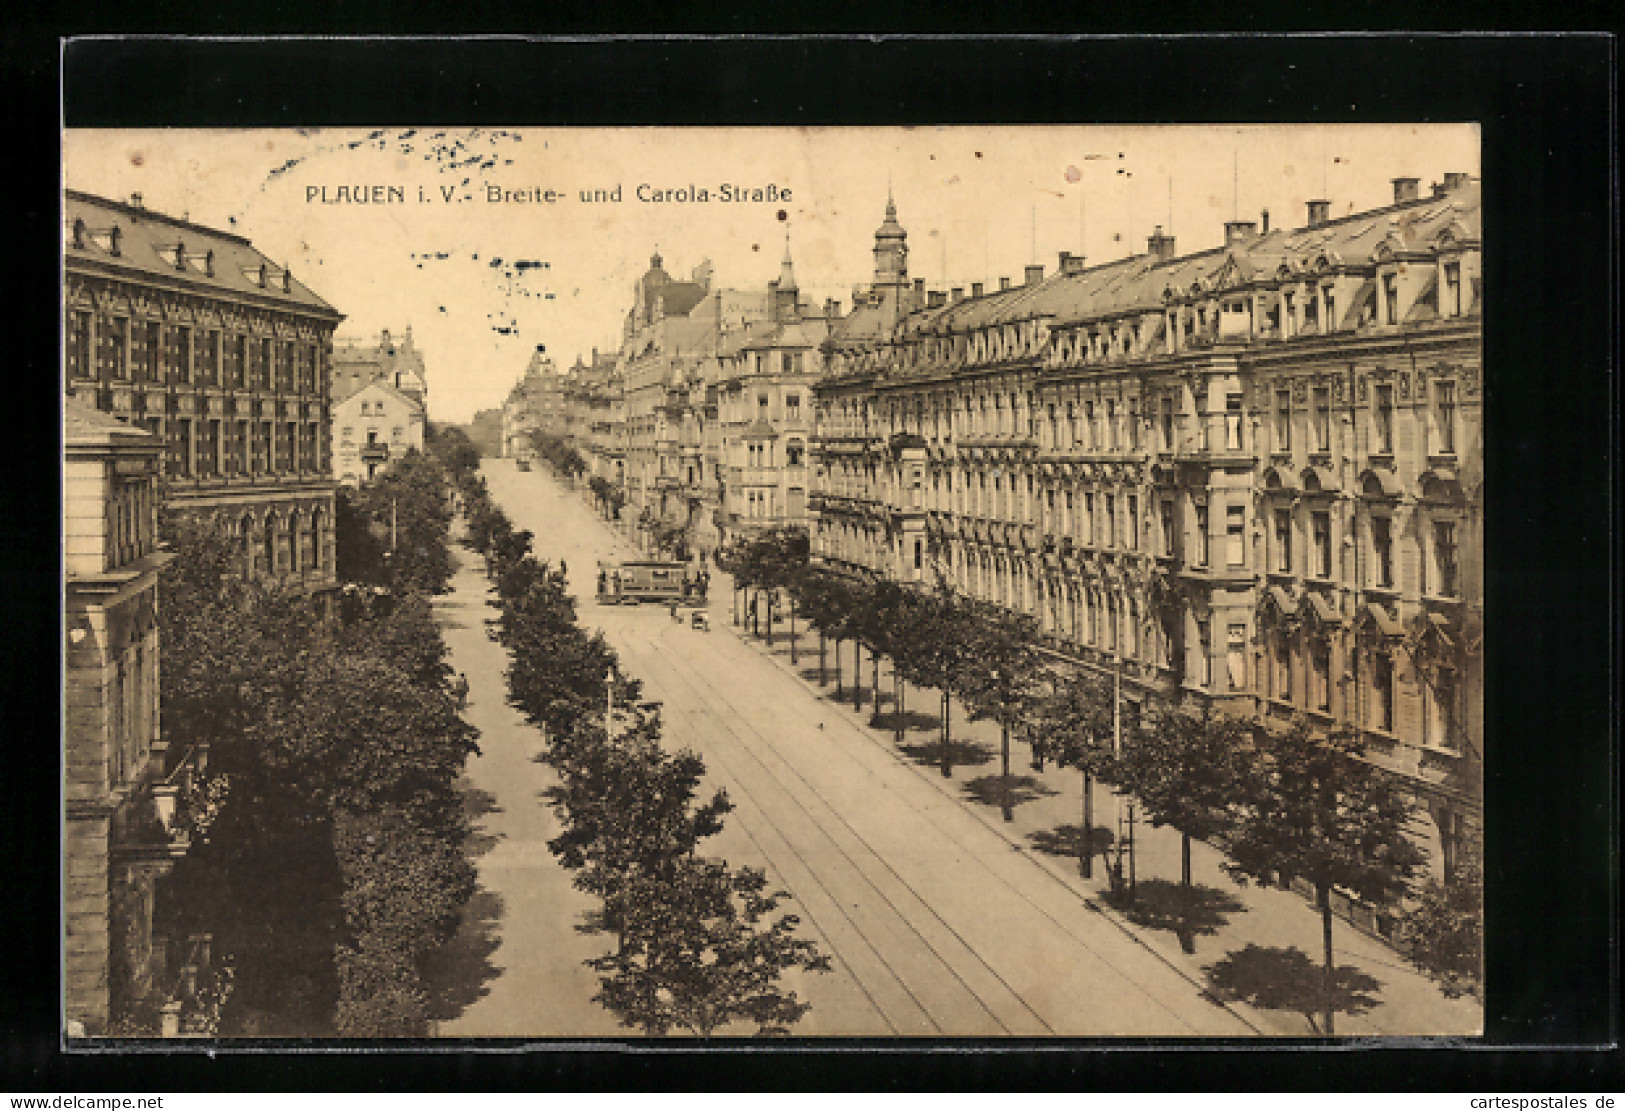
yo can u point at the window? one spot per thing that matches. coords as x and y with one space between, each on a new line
1441 710
1089 424
397 432
1382 551
1331 307
792 453
1133 523
114 348
1134 425
1382 692
1320 525
1323 419
78 345
1390 299
181 447
1232 422
152 345
208 358
1236 656
1201 535
1383 420
1283 420
1204 652
792 405
1165 510
1168 424
1235 535
1111 520
1452 287
1280 667
1444 557
1089 518
1283 541
1320 675
1445 407
761 404
1111 423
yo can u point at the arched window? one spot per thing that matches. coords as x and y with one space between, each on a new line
268 537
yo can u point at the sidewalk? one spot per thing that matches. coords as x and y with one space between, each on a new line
1266 940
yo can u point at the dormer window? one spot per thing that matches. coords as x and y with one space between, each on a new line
1390 299
78 234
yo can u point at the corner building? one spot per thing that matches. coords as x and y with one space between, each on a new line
195 336
1251 475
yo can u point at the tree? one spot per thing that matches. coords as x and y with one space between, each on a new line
1073 725
1443 933
1187 770
701 950
1313 807
998 679
627 808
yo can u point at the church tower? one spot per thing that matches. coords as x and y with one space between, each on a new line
891 253
785 294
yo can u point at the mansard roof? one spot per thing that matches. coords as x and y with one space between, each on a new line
145 244
1142 283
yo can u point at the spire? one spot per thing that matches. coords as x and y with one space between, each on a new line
787 274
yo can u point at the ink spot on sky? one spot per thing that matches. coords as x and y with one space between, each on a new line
978 154
783 215
1074 174
136 158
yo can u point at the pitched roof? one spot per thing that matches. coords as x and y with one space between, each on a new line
159 247
83 423
381 385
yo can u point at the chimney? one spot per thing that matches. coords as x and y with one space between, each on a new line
1405 189
1159 246
1319 212
1070 263
1035 273
1237 232
1455 179
935 299
1264 214
135 201
976 289
958 294
1004 283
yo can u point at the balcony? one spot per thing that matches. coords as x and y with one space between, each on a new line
375 453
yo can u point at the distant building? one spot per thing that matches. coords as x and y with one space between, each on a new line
376 425
194 335
536 405
115 842
394 359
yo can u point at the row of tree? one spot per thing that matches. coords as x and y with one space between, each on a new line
326 834
699 945
1279 799
565 460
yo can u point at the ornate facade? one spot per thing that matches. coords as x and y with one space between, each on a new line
115 842
194 335
1252 473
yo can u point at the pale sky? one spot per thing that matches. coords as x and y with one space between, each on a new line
977 202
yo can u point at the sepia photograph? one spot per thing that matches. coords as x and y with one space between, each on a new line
608 584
